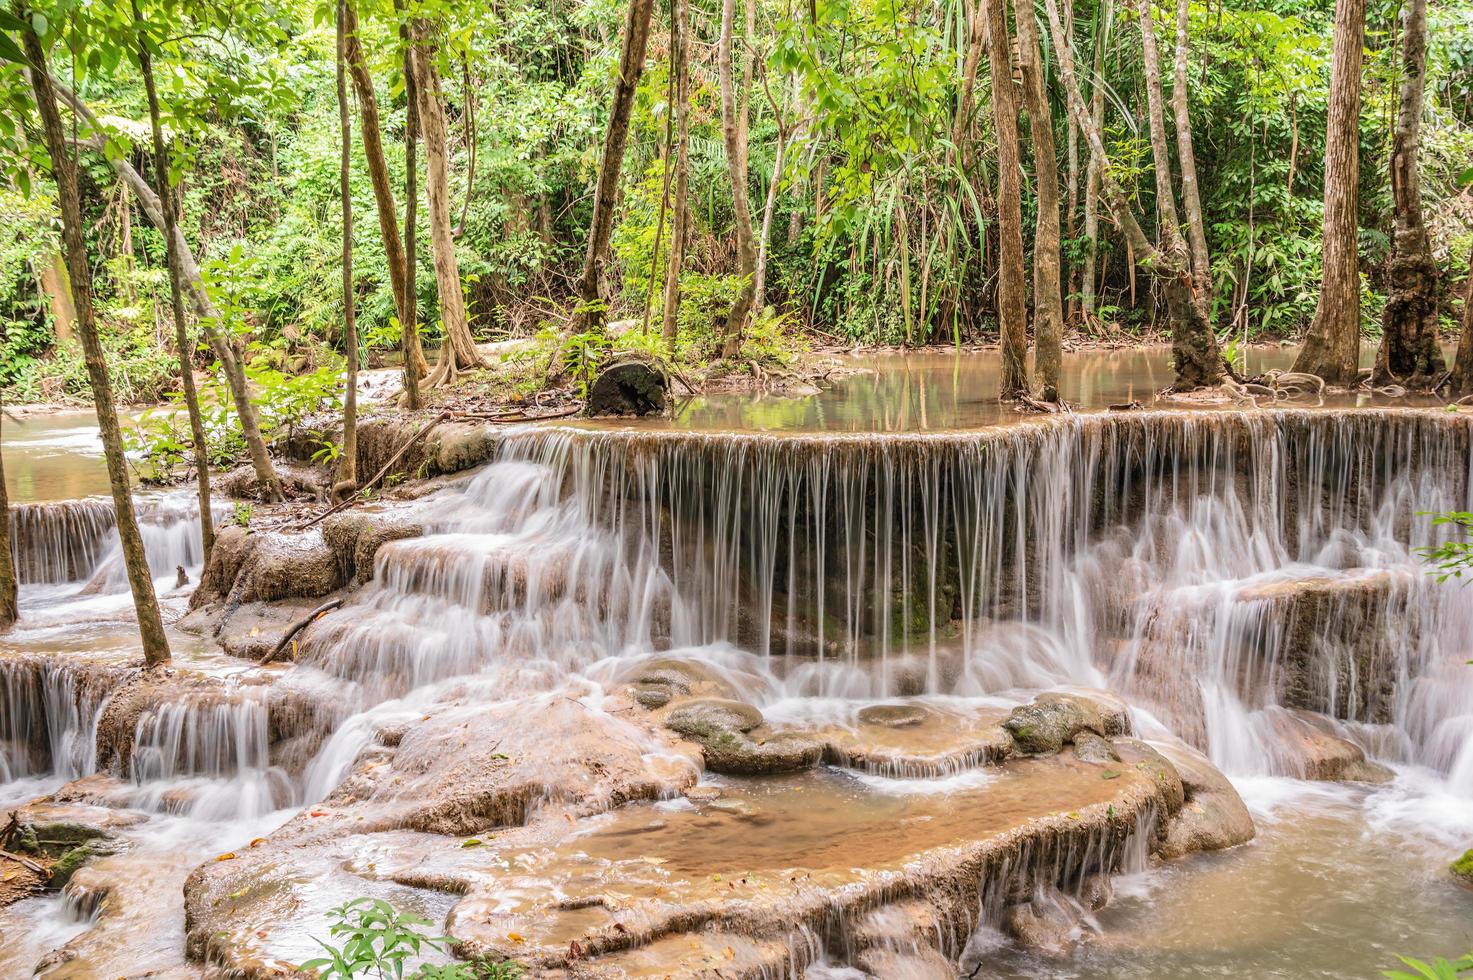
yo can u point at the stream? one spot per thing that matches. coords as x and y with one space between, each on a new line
898 538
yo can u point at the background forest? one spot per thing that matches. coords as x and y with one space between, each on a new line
871 174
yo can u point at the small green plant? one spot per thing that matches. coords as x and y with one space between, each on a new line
1454 557
582 354
1438 969
378 940
243 514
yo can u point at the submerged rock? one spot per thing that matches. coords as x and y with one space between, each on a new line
892 715
721 728
706 716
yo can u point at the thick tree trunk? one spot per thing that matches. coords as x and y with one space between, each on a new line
680 217
161 168
1194 350
371 131
1332 346
1409 353
591 315
415 366
459 351
1191 198
346 481
63 169
736 167
9 589
222 346
1012 302
1048 313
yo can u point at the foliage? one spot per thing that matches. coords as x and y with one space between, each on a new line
1452 557
1438 969
378 940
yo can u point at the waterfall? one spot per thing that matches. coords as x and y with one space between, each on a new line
48 716
1210 566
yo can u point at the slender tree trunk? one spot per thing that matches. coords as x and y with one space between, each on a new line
1092 168
371 130
667 151
976 44
1012 303
1409 353
606 192
9 590
764 238
414 359
1461 379
459 351
1071 203
63 169
680 217
1332 346
736 166
161 168
1191 198
1194 352
346 482
1048 314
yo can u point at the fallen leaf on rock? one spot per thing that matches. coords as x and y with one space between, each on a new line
227 856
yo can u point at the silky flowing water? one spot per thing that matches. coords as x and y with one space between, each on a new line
898 539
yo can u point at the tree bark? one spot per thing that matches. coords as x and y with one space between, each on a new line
1012 303
976 44
1195 356
1089 274
58 288
1409 353
591 314
1191 198
1461 378
162 166
1193 344
63 169
736 167
9 589
1332 346
347 470
459 352
1048 313
414 359
680 213
371 133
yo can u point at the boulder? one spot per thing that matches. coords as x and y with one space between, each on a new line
1213 815
1046 924
356 536
1312 746
893 715
629 386
1138 755
703 716
1462 869
1051 721
721 728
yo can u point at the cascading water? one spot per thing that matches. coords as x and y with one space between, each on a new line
1221 571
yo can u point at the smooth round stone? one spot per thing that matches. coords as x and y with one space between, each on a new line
703 713
893 715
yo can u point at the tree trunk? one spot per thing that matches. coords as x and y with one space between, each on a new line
1332 346
1461 379
736 166
63 169
9 590
1194 350
346 482
1071 201
1409 353
459 351
976 44
161 168
1012 303
591 314
1191 198
189 268
371 131
414 359
58 288
1048 314
1089 275
680 216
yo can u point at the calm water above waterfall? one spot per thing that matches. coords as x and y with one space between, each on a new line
1244 581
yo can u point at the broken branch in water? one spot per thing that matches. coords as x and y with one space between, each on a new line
297 627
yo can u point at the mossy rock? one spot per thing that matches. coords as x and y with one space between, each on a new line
1462 869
